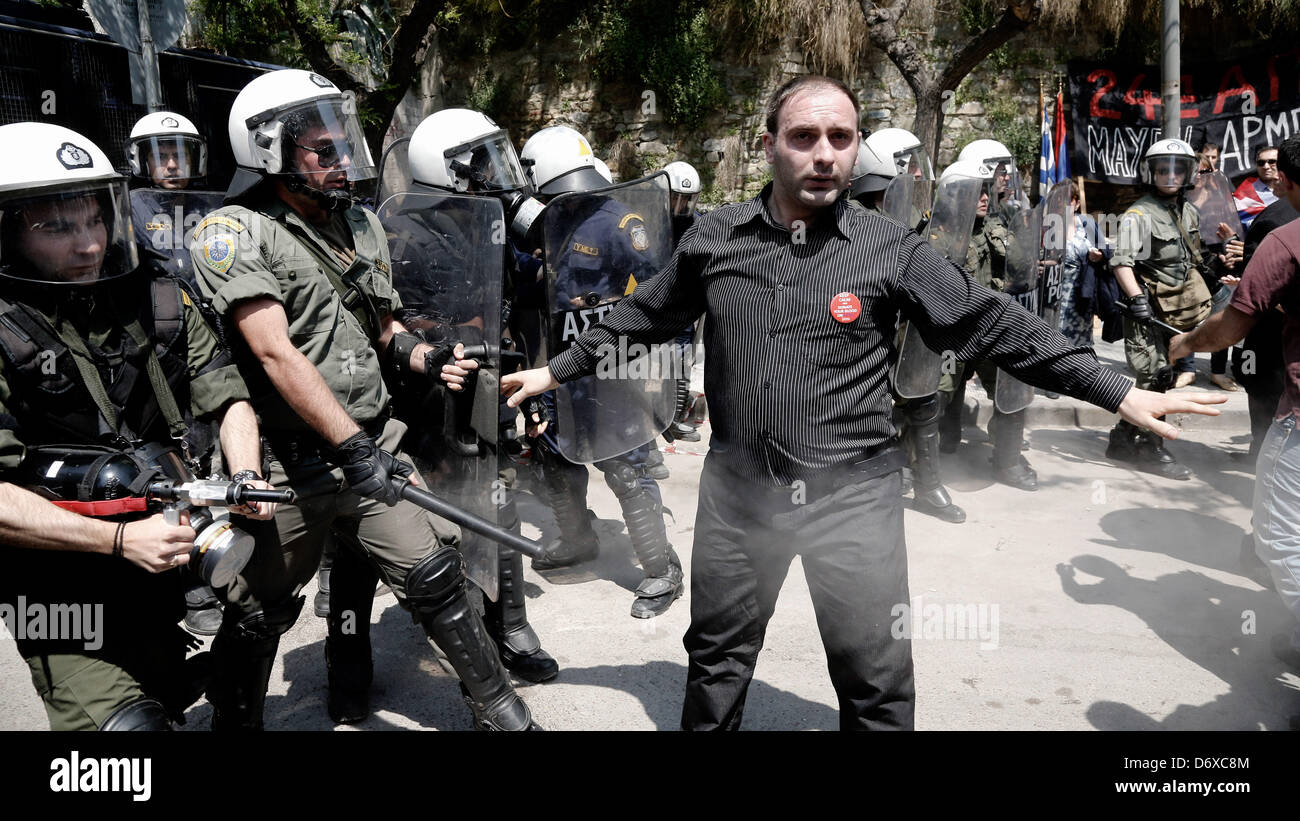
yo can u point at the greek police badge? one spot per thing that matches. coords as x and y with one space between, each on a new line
219 252
72 156
640 240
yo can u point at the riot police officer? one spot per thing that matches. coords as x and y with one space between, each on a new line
882 157
104 359
683 194
606 249
168 159
302 274
454 291
1156 264
986 262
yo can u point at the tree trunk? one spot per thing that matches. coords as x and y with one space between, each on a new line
930 84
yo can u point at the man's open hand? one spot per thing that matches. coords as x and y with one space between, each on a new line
1141 408
519 386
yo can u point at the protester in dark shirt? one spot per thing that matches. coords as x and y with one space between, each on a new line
803 293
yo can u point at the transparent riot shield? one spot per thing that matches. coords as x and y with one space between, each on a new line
1058 227
597 245
1020 281
1213 198
448 256
165 220
917 369
907 200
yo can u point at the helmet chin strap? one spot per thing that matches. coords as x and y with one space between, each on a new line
339 199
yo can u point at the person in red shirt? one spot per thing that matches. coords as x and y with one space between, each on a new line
1272 283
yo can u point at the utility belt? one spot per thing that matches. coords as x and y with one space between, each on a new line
298 447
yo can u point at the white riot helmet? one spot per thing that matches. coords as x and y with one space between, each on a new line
884 155
1171 161
970 169
298 125
65 218
1006 175
457 149
166 149
559 159
684 187
602 168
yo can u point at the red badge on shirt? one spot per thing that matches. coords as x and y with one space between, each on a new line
845 307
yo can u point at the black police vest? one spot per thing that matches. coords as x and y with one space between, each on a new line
49 399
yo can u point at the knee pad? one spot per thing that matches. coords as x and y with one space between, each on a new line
435 581
622 478
922 411
269 622
143 714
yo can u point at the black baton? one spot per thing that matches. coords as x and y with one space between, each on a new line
425 499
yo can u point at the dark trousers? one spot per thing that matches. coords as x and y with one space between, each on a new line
850 539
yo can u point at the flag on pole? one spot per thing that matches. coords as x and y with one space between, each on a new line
1046 157
1059 148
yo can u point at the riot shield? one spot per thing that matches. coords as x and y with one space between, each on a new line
917 369
1212 196
597 245
165 221
448 257
1058 228
907 200
1020 281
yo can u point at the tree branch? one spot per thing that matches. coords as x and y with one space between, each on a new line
1018 16
882 29
315 50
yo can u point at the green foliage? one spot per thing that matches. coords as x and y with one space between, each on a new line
669 47
977 15
1009 126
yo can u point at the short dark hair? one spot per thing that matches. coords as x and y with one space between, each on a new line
1288 158
1207 146
1262 148
801 83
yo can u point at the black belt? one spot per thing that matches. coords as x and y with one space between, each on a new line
293 447
877 462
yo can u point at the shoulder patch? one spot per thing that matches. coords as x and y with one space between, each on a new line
640 240
218 219
185 298
586 249
219 252
629 216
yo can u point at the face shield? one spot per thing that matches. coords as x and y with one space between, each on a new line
487 165
683 205
171 161
914 161
324 145
77 236
1171 173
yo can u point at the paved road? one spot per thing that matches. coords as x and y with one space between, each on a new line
1108 600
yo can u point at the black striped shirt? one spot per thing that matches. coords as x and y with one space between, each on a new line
793 391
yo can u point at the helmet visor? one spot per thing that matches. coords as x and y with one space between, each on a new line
74 236
171 159
485 165
323 141
683 205
914 161
1172 172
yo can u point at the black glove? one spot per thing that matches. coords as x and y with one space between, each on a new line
1139 308
369 470
535 405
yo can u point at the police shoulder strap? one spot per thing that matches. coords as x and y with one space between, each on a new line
347 284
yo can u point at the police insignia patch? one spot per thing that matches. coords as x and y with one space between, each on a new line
219 220
72 156
219 252
640 240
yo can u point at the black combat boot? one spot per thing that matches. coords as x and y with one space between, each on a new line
202 609
1009 467
654 464
922 435
1145 451
507 617
577 542
348 659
